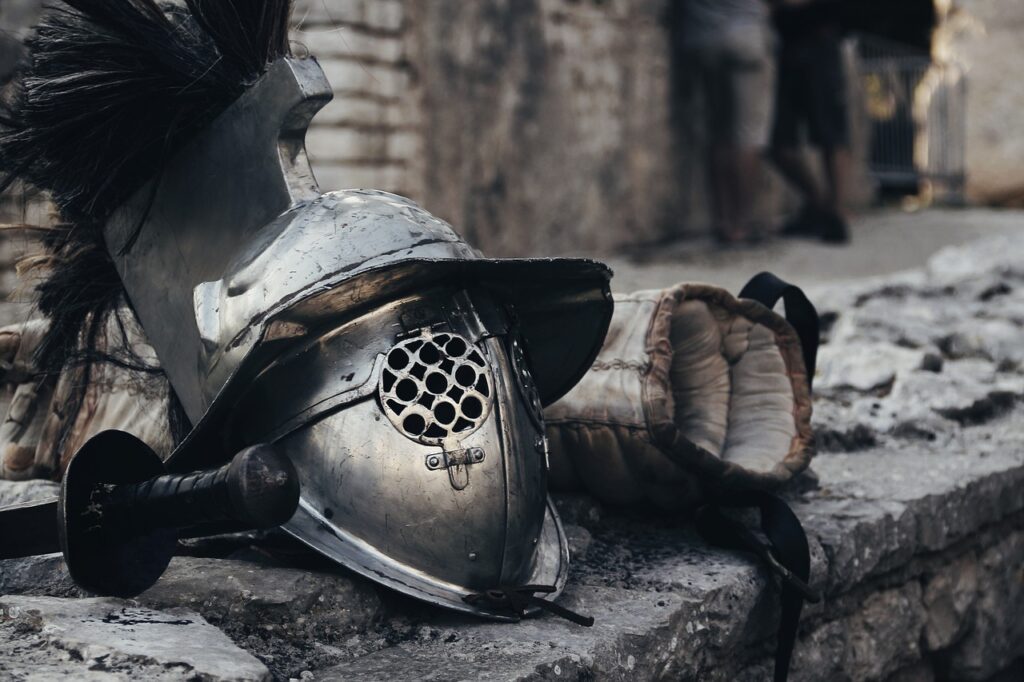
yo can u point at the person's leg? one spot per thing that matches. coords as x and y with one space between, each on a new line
721 185
734 175
785 152
754 84
828 129
738 127
722 117
792 165
747 181
837 167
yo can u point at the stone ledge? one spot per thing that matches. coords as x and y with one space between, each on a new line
917 536
47 638
909 571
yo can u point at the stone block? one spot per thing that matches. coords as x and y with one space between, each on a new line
382 81
378 15
350 42
949 597
23 492
242 596
49 638
993 629
365 113
389 177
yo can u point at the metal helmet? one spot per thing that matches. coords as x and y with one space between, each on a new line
402 373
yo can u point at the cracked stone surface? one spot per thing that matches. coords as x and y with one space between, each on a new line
916 525
22 492
102 639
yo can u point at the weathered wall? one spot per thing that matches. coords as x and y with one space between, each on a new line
551 126
546 121
370 134
533 125
985 36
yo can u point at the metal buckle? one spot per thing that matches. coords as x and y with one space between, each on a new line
457 463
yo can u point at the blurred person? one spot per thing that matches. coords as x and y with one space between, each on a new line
811 95
726 49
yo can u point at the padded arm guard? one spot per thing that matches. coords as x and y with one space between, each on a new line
694 391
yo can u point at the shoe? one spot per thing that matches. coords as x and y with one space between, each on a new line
834 229
803 224
819 223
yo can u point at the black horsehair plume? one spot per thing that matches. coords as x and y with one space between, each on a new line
111 89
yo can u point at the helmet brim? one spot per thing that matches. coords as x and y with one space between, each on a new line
562 306
551 565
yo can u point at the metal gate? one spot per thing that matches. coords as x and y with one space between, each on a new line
916 120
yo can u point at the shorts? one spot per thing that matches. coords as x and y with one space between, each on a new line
732 80
811 92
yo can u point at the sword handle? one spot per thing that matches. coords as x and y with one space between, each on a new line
259 488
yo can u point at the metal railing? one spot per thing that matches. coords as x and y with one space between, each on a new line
916 120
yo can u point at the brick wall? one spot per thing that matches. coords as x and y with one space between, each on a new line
534 126
370 134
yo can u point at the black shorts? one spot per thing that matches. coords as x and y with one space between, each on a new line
811 92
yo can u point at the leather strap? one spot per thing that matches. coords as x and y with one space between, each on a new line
767 289
784 551
515 600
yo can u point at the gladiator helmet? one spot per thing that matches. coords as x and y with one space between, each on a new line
402 373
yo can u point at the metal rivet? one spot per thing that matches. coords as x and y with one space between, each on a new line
472 556
535 541
539 444
434 462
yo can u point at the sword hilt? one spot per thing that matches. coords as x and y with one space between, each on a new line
258 489
120 512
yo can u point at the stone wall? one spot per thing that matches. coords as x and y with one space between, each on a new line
985 37
551 126
547 121
370 134
532 125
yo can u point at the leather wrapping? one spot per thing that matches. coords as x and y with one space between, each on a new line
694 390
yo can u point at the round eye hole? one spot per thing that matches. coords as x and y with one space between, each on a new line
398 359
445 413
472 407
429 354
437 383
406 390
414 424
455 348
434 386
465 376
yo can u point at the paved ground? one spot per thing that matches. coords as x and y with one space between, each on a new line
883 242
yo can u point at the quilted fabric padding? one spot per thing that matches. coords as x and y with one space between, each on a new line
693 390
